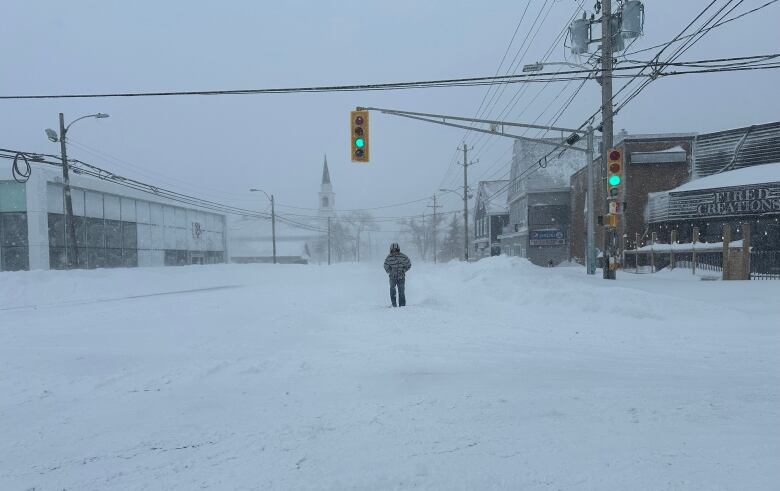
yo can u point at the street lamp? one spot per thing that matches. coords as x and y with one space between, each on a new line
70 226
539 65
273 217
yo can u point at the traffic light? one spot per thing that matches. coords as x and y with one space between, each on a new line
359 135
615 173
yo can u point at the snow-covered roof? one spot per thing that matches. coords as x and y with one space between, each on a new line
757 174
493 193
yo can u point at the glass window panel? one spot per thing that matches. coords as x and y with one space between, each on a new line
96 257
94 204
96 233
128 210
142 212
81 231
15 258
56 230
114 234
114 258
130 258
82 257
111 207
54 198
13 229
57 258
129 235
13 196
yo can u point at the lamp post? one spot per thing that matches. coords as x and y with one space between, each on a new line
465 196
273 217
72 253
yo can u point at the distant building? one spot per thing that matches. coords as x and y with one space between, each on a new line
491 215
651 163
327 206
115 226
539 202
298 238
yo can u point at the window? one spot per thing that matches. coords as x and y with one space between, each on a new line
324 201
14 250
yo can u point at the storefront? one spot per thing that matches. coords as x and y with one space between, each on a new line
747 195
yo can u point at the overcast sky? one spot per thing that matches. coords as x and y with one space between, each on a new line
217 147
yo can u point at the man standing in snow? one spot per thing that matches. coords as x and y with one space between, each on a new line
396 266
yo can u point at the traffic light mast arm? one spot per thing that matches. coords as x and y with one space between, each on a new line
441 119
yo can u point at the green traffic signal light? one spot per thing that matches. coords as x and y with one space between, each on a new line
360 143
614 180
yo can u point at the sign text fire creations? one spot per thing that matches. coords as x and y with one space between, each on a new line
741 202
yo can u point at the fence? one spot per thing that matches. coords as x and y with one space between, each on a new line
765 265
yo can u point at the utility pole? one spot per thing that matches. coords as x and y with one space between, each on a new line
72 252
435 206
607 123
466 165
273 226
328 241
591 207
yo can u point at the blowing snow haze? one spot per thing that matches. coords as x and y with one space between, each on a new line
198 202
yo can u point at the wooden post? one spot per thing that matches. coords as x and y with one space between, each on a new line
745 251
671 249
636 256
726 243
693 248
653 238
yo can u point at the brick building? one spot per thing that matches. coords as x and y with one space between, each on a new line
652 163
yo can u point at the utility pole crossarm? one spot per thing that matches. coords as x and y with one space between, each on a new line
443 117
562 144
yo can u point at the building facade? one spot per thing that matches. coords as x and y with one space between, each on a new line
115 226
539 201
651 163
491 215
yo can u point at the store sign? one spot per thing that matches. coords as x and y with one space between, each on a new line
727 202
197 230
547 237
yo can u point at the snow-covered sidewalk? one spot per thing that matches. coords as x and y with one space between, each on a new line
499 375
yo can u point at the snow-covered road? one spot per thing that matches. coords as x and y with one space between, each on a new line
499 375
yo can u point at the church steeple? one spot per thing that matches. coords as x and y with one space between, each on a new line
327 196
325 173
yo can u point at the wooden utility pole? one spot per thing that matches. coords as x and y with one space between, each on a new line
71 244
606 122
435 232
328 241
466 165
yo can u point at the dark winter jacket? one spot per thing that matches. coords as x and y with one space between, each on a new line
396 265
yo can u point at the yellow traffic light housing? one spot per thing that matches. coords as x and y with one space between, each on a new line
615 173
358 121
